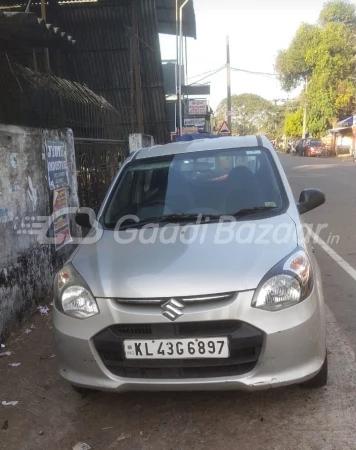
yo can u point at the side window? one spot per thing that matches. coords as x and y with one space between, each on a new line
122 200
151 184
148 181
143 186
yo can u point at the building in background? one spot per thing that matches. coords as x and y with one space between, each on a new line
343 136
117 55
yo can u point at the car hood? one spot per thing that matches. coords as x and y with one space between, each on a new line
182 265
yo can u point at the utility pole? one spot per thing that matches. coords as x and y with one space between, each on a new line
186 59
228 67
136 67
180 63
46 52
305 111
177 58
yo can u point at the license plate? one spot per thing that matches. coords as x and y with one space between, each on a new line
195 348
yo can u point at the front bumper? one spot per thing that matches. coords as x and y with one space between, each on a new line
292 350
315 152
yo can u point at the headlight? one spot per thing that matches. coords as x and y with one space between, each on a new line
72 296
286 285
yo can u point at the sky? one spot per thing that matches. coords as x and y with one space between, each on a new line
258 29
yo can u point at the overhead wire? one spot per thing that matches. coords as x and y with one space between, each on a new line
254 73
234 69
208 76
205 73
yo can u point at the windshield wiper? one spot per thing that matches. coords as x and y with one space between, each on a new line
249 211
178 218
188 217
174 218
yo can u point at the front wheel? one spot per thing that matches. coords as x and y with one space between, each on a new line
320 379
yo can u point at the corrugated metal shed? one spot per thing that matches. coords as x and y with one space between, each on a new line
101 59
34 32
165 12
166 18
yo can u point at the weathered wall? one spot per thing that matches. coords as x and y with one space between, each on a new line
138 141
27 266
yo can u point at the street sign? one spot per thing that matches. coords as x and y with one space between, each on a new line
224 129
197 107
196 89
195 122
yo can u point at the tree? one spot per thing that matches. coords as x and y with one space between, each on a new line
274 123
323 55
249 113
293 124
291 64
338 11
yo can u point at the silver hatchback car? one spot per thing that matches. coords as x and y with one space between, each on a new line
197 274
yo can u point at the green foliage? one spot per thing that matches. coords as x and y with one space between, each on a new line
249 113
291 65
338 11
323 55
294 124
274 122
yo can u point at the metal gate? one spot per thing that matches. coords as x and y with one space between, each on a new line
97 162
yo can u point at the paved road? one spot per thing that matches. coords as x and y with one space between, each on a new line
49 416
337 178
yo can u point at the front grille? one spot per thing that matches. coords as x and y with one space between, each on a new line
174 330
132 330
185 300
245 344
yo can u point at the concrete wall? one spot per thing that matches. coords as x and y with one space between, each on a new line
26 266
138 141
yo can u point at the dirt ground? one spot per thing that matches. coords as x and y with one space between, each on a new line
50 416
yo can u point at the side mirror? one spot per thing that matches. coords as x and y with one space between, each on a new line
310 199
82 219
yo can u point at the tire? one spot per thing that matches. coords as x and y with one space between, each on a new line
82 391
320 379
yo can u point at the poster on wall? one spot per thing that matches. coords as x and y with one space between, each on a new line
56 164
61 227
197 107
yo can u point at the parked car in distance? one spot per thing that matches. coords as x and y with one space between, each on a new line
313 147
201 278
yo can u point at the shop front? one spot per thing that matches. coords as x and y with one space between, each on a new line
344 136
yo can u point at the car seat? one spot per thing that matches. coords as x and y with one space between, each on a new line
243 190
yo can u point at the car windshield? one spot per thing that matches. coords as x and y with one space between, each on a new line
209 183
316 143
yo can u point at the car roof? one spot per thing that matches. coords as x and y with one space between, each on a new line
200 145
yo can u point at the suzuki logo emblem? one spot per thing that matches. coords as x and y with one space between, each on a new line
172 309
